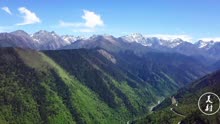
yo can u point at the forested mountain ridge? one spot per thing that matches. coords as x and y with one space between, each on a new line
187 111
37 90
83 86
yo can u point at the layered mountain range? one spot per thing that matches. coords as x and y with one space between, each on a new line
47 78
44 40
88 86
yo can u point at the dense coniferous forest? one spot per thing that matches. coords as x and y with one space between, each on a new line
88 86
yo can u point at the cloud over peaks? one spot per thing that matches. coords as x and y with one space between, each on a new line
6 9
28 16
91 21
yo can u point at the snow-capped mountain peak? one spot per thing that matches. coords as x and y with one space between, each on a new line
48 40
205 44
134 37
71 39
149 40
138 38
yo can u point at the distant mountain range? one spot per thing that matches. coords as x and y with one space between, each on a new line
44 40
41 40
152 41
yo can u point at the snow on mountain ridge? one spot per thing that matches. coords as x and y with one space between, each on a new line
207 43
138 38
71 39
149 40
50 40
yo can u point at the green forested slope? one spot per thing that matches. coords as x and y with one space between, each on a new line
35 89
187 99
79 86
42 92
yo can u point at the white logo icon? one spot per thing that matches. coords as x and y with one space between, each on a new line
209 103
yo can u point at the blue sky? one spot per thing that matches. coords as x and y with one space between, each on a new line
187 18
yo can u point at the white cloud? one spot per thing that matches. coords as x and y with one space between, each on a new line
171 37
91 21
28 16
6 9
210 39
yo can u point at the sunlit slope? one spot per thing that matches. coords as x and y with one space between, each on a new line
35 89
86 86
